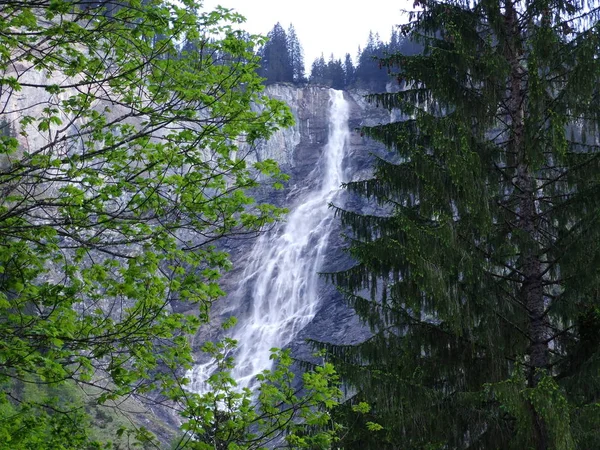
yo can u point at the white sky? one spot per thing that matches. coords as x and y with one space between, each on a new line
322 26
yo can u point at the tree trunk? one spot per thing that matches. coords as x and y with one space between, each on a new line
532 291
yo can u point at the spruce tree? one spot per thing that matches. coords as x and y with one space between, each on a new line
349 70
335 73
395 41
276 65
318 72
296 55
479 273
368 75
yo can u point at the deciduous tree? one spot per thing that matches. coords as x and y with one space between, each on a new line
123 159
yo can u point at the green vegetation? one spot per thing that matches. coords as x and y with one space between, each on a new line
367 73
126 139
281 57
279 416
126 158
478 275
65 414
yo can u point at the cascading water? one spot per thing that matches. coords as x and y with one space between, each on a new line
282 275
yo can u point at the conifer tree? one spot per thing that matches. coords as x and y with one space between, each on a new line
318 72
395 40
479 274
335 73
368 75
348 70
296 55
276 65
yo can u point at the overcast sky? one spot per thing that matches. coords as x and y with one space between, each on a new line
322 26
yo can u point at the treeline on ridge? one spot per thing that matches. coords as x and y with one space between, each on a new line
282 60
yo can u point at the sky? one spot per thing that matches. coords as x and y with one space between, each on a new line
322 26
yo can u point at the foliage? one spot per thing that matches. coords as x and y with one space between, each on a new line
63 415
282 57
349 70
331 74
26 426
477 272
318 71
296 54
126 158
275 62
367 74
280 416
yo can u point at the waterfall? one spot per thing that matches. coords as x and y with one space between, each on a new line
281 277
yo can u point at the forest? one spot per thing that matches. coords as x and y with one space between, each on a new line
127 131
282 60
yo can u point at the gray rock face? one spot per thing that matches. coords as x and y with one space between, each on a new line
297 149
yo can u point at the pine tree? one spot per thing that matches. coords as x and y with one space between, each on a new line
276 65
368 73
395 40
349 70
296 55
335 73
479 274
318 72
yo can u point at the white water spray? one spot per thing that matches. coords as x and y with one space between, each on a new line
282 275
